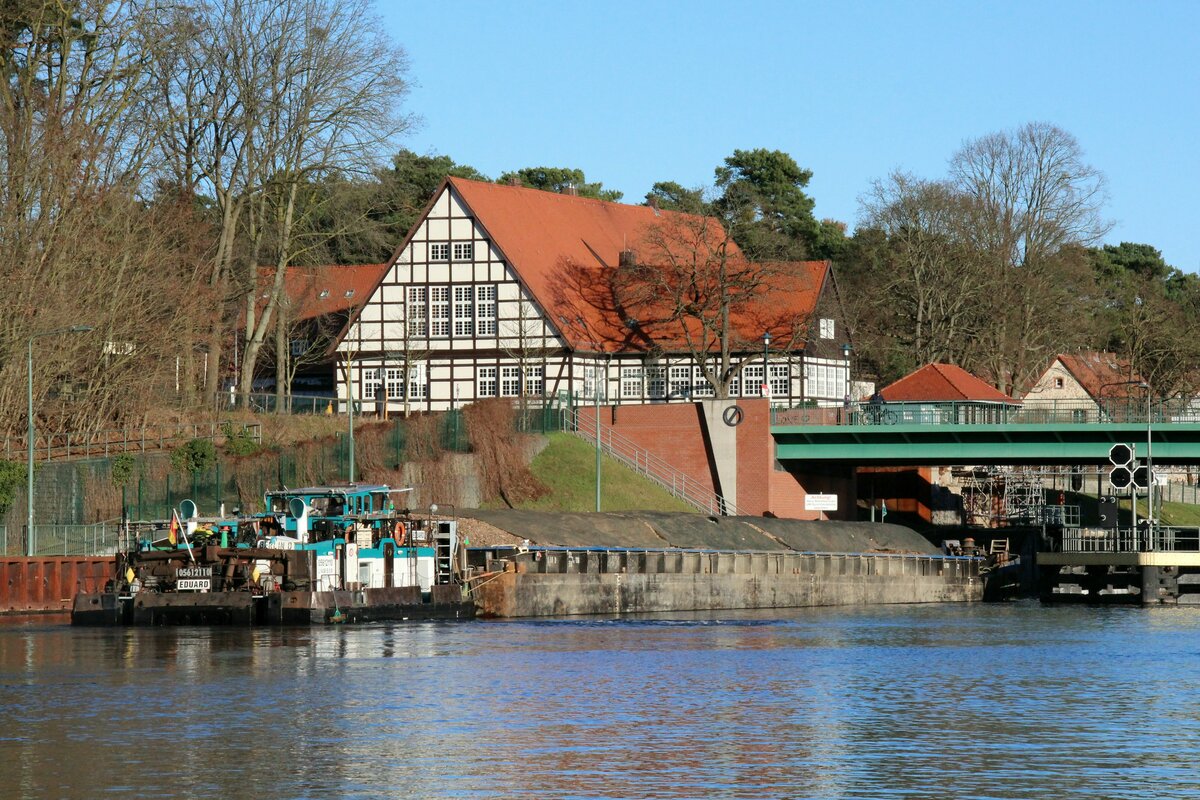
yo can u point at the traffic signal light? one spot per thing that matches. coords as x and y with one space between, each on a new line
1121 457
1142 477
1120 477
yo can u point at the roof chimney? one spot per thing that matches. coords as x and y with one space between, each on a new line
570 190
628 258
652 201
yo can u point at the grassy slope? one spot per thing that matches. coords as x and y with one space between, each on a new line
1178 514
568 467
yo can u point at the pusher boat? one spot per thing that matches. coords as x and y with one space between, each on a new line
322 554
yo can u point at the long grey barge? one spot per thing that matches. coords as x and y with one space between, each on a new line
555 581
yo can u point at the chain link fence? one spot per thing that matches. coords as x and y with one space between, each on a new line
72 497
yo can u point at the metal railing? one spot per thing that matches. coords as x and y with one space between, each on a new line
100 539
1174 492
1061 516
1124 540
658 470
1028 412
270 403
102 444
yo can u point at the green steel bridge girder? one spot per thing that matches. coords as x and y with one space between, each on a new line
928 445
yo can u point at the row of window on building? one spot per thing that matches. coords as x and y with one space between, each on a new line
679 381
684 381
462 251
489 382
431 314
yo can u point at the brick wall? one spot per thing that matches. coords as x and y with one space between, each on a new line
756 459
672 432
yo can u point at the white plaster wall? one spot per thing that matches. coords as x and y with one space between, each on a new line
1045 389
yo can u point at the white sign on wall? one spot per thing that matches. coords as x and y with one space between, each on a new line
820 502
326 573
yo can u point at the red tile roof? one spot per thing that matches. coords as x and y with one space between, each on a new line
316 291
1102 372
564 249
943 383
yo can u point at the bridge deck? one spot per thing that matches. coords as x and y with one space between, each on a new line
971 433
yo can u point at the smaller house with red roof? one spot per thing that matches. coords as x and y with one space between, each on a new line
934 394
316 304
1091 384
506 291
945 393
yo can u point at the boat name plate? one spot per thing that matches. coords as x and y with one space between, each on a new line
193 584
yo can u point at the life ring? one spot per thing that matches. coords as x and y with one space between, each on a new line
400 533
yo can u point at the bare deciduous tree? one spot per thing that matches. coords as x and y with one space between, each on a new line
526 341
80 239
932 283
1032 200
325 85
689 288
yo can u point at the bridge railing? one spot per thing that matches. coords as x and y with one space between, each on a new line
1028 412
1125 540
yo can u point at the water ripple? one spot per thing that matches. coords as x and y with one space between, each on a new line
941 701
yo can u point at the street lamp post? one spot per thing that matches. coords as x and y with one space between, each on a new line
30 434
596 420
766 386
1149 466
847 400
596 392
350 422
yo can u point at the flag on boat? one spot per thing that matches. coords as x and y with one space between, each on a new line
178 530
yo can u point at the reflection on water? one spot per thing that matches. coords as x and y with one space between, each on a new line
920 701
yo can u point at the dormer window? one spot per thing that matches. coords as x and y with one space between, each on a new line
349 293
324 294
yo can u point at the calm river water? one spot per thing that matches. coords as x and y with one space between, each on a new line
945 701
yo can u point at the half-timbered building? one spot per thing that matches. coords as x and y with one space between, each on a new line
506 291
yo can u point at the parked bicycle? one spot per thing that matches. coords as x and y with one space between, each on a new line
875 412
878 415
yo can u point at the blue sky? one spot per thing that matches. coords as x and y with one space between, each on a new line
639 92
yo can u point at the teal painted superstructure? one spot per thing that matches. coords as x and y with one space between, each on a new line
919 445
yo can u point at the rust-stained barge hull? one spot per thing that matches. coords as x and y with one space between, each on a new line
276 608
47 584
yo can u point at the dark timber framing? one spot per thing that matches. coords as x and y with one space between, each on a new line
520 350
